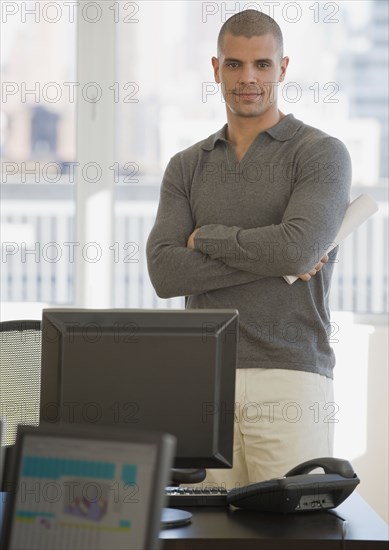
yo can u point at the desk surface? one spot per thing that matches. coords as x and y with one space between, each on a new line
228 529
225 529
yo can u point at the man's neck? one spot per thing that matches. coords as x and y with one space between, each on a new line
242 131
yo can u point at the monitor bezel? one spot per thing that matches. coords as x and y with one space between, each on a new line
165 446
223 320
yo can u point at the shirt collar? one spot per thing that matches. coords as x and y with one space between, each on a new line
210 142
284 130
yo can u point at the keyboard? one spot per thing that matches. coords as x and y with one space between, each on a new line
196 496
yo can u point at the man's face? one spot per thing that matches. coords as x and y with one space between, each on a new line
249 70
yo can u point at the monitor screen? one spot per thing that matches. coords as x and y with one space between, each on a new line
166 370
78 487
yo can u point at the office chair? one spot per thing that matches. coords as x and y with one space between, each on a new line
20 371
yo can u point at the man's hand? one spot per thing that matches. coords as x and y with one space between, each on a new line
190 243
316 269
303 277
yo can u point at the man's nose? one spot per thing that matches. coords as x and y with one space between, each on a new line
248 75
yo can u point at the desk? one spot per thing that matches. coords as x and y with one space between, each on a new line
224 529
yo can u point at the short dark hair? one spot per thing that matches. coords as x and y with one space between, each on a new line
250 23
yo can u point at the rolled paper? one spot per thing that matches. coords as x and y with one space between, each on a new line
358 211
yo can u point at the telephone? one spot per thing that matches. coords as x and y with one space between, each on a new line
298 490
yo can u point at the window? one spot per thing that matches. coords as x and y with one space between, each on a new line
38 155
75 223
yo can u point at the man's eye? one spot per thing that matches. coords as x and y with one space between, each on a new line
232 65
263 65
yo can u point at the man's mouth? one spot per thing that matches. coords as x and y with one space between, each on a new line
248 96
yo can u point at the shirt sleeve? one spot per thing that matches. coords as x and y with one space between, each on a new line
174 269
310 222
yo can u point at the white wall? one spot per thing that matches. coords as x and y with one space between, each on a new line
361 393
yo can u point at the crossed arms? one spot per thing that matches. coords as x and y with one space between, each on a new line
185 260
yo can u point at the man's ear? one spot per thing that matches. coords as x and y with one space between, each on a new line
215 65
284 66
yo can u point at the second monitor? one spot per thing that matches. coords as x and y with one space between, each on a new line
165 370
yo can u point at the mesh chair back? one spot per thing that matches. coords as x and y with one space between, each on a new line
20 372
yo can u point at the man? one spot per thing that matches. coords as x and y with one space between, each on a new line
260 199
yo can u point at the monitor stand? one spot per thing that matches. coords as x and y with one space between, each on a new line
174 517
187 475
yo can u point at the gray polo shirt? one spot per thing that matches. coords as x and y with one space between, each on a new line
274 213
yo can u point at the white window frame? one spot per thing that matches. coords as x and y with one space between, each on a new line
95 144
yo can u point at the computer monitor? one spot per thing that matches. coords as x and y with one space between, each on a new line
80 487
166 370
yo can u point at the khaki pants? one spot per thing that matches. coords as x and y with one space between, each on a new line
282 418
